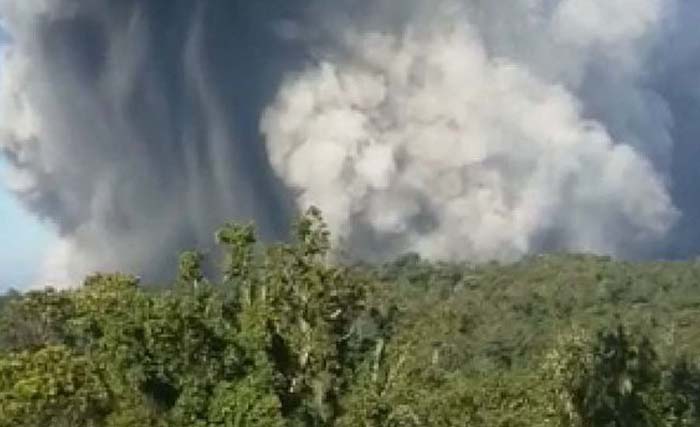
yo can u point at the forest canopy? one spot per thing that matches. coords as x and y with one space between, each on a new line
285 336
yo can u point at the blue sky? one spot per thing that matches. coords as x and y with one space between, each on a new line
23 239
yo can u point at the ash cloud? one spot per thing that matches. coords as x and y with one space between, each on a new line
485 131
132 125
462 129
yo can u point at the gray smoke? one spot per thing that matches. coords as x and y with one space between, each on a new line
133 125
462 129
485 130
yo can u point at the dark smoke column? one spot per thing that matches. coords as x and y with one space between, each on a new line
133 125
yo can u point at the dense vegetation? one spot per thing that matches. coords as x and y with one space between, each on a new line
286 338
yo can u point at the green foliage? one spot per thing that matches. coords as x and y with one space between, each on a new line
622 381
36 320
289 338
53 386
190 269
297 314
249 402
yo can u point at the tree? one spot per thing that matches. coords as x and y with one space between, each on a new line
300 311
52 386
36 320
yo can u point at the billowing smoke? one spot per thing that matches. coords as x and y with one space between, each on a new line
461 129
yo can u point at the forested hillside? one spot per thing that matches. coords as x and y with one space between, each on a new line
288 338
